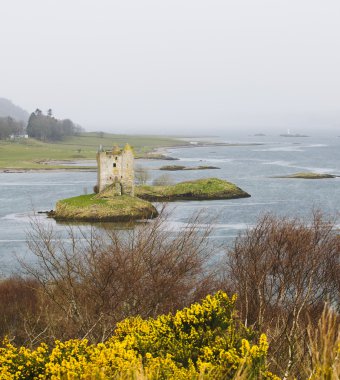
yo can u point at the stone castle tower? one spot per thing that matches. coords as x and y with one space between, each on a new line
116 167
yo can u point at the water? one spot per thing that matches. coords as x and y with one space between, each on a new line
251 167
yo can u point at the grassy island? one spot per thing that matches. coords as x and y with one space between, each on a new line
308 175
106 207
201 189
97 208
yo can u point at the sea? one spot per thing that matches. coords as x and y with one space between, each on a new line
253 163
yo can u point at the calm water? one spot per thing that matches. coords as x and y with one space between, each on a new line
250 167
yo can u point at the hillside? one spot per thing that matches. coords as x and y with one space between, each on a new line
7 108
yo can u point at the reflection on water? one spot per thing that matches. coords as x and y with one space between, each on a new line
250 168
108 226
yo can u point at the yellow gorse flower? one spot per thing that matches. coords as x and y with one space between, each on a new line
203 341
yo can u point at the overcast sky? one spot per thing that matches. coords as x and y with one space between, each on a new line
171 66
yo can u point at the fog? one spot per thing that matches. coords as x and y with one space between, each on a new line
175 66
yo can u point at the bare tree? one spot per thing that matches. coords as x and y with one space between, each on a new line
142 175
163 180
95 279
283 271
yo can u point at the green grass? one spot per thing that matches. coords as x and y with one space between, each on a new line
207 188
115 209
31 154
84 201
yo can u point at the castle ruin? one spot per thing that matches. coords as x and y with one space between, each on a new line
116 167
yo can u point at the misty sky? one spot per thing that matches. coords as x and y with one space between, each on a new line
175 66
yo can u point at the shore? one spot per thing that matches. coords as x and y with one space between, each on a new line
155 153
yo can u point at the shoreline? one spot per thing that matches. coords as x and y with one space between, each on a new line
66 169
160 153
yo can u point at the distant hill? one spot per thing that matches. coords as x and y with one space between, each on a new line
7 108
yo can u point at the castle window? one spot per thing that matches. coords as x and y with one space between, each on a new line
114 165
116 158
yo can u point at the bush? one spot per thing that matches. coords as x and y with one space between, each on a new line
203 341
102 278
283 271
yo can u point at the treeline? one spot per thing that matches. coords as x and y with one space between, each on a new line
284 271
48 128
9 126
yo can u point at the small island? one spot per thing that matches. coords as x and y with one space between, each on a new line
182 167
103 208
117 199
197 190
156 156
308 175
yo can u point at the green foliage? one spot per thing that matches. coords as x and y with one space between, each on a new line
48 128
206 188
203 341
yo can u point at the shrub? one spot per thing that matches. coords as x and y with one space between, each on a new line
203 341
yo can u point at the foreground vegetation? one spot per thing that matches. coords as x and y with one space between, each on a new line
112 301
34 154
203 341
201 189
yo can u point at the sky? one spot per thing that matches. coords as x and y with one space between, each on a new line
175 66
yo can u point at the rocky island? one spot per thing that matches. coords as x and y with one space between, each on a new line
308 175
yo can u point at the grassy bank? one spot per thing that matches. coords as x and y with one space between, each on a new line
34 154
90 208
202 189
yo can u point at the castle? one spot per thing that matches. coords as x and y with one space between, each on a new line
116 167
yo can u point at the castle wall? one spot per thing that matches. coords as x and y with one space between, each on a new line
128 175
116 167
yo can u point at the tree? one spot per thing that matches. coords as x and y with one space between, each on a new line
163 180
9 126
48 128
283 271
142 175
99 279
